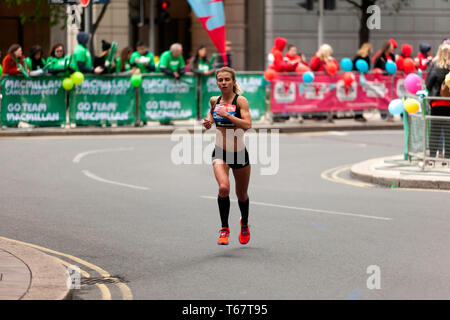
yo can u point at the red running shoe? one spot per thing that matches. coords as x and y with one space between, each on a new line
244 236
223 236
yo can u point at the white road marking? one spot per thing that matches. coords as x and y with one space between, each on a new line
311 210
81 155
93 176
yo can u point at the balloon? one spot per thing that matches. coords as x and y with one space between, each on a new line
346 64
77 77
348 78
380 71
396 106
270 74
67 84
308 77
413 83
391 67
1 69
411 105
301 68
136 80
331 68
447 80
408 65
362 65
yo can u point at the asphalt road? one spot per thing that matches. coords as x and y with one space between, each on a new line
122 206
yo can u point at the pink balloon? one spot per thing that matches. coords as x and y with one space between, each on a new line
413 83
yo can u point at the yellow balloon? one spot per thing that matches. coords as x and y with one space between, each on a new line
447 80
411 105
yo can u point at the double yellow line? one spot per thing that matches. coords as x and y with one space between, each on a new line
333 176
106 294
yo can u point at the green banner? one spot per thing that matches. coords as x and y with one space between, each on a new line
39 101
103 100
163 98
252 87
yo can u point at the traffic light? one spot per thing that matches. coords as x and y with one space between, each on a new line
307 4
163 13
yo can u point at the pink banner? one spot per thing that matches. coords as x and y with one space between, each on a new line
289 94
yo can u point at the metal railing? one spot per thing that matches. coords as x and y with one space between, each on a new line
427 137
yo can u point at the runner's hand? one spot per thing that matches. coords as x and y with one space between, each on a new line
207 124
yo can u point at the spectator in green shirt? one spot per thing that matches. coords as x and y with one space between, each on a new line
171 62
199 64
125 57
81 57
57 61
142 58
35 62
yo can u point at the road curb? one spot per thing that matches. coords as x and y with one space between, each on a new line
47 278
370 171
283 128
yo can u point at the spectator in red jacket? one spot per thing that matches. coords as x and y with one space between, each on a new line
424 57
278 64
11 61
407 50
322 58
293 56
394 46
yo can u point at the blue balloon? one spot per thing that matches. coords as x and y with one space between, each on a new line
391 67
396 106
346 64
308 77
362 66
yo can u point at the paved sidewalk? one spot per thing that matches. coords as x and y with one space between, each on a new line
395 172
29 274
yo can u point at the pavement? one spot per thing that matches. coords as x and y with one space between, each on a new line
29 274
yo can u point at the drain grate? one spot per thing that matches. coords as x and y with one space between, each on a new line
102 280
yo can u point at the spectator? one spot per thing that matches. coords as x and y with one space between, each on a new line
424 57
200 64
279 64
171 62
14 63
81 58
292 56
406 52
123 62
57 61
363 53
435 83
143 59
377 54
101 60
386 54
218 59
36 60
322 58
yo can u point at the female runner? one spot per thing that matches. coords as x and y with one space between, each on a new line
230 112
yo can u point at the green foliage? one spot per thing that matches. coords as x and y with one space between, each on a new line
39 9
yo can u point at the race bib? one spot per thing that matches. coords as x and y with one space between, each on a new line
231 109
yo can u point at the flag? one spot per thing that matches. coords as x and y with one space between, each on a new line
211 14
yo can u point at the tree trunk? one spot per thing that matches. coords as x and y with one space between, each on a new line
364 32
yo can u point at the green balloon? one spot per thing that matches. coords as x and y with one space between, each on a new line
67 84
136 80
1 69
77 77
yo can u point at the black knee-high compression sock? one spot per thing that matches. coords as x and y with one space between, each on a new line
243 205
224 210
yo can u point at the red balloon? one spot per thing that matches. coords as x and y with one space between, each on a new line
408 65
331 68
301 68
270 74
348 78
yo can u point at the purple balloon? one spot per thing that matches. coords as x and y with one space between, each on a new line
413 83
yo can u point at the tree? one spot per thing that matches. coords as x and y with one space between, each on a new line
362 5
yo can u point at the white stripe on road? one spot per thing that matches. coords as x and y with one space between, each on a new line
93 176
80 156
311 210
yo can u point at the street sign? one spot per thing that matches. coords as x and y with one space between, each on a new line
84 3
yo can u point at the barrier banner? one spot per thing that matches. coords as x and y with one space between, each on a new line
163 98
103 100
290 94
39 101
253 89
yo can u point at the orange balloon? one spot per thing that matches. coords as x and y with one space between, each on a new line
408 65
348 78
270 74
331 68
301 68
